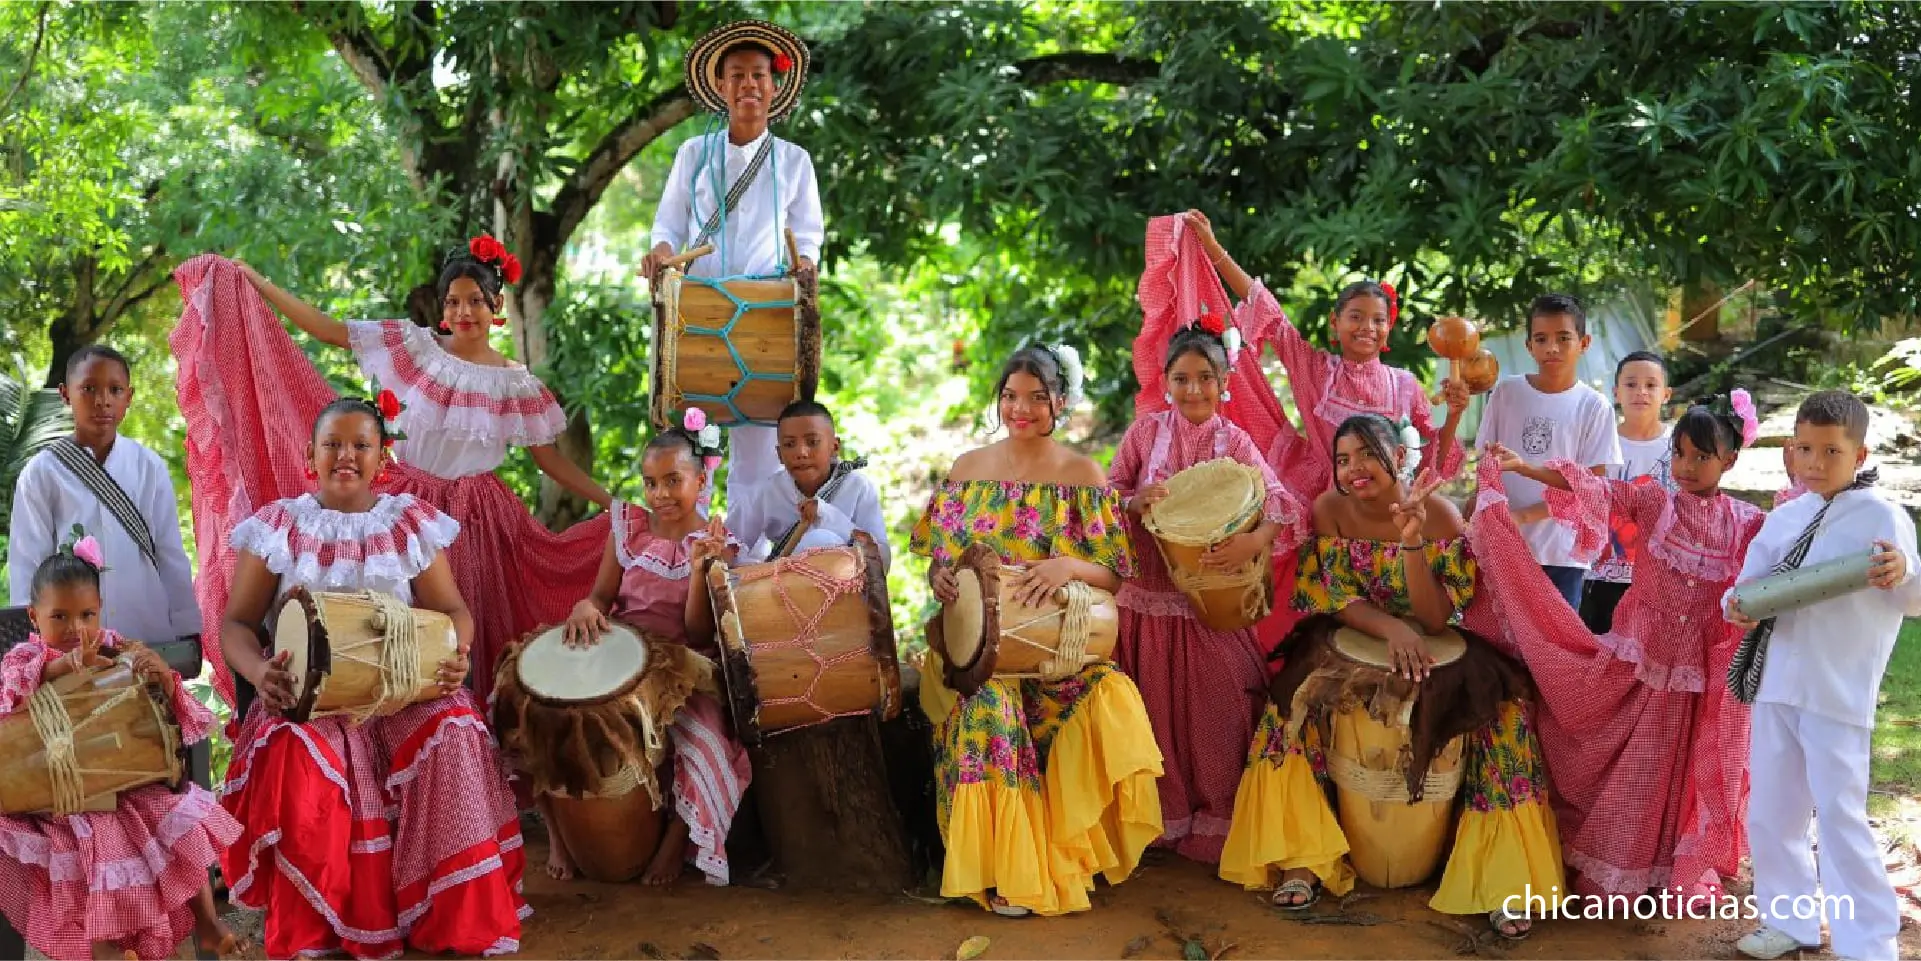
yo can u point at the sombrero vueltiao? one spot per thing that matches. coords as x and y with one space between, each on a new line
703 64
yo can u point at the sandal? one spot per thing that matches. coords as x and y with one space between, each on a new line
1000 906
1308 892
1504 921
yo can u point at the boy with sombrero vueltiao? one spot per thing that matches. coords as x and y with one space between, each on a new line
750 72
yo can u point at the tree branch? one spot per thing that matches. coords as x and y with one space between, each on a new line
33 55
605 161
380 70
124 298
1067 65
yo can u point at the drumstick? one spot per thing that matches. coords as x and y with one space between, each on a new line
793 250
681 260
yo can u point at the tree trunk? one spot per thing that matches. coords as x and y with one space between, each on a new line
828 810
1701 297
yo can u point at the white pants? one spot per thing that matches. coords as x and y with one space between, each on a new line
751 461
1802 764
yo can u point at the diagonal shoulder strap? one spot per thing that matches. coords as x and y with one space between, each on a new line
738 190
826 493
89 472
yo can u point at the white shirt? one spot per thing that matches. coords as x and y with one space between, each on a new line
1828 658
783 195
1653 459
775 506
1576 424
145 602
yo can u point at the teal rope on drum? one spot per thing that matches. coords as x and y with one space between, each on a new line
725 333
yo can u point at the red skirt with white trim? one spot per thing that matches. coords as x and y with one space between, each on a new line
400 832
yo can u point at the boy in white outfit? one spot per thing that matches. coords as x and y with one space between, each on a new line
816 500
1813 675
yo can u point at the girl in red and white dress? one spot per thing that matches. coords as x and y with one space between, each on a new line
249 394
396 831
1647 745
130 882
1204 689
651 562
1328 388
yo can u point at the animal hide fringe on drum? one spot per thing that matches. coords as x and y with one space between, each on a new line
589 748
1459 698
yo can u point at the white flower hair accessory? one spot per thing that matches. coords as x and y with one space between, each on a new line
1411 441
1072 373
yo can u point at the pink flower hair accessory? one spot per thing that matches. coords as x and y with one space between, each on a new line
88 549
1743 406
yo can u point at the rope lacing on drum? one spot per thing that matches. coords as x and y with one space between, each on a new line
399 662
677 325
807 627
1249 578
1069 654
57 728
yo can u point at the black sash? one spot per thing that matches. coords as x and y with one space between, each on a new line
738 190
81 464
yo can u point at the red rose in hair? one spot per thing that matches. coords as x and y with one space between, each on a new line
485 248
389 405
783 63
1393 303
1214 324
510 268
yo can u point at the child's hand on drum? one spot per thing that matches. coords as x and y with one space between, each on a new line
1734 616
1890 567
584 625
1145 500
1036 586
940 577
1408 654
274 682
150 666
453 672
810 511
1232 554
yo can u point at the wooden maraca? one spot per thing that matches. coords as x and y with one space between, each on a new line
1458 341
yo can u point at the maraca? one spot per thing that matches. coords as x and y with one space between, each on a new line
1458 340
1479 371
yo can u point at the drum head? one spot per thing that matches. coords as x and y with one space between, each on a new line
552 670
1356 645
1207 503
962 621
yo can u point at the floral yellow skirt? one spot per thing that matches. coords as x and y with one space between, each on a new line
1504 842
1043 786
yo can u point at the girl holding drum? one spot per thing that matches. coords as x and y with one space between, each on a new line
1204 688
1647 745
1027 827
399 830
1391 561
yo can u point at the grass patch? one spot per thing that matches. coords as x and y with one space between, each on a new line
1896 769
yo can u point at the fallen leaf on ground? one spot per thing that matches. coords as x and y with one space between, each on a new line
972 948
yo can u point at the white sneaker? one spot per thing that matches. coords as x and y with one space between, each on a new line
1766 944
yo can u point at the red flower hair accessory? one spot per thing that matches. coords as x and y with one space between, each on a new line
1215 324
388 404
1393 303
783 63
487 250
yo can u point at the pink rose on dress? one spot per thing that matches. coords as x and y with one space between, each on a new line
1095 529
1000 753
984 524
1027 522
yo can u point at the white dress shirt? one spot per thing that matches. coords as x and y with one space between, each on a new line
142 601
775 507
752 242
1828 658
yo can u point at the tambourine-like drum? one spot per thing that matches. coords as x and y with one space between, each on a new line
985 633
120 734
739 349
589 728
1393 840
806 639
360 653
1765 597
1205 505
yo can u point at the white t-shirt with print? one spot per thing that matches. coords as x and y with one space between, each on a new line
1576 424
1652 459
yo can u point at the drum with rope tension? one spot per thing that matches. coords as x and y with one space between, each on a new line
806 639
985 633
740 348
588 727
359 653
85 737
1205 505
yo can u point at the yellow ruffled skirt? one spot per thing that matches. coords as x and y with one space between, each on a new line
1505 842
1043 786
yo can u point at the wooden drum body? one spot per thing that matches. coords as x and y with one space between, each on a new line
123 736
806 639
350 656
1205 505
985 633
739 349
1394 841
589 728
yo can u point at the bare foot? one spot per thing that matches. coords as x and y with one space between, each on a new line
560 861
219 940
670 858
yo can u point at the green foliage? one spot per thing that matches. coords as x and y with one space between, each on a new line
31 418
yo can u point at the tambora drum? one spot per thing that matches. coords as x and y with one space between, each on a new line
740 349
1205 505
589 728
806 639
109 731
361 653
986 633
1394 839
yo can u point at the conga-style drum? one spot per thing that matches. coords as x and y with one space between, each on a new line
806 639
359 653
589 728
985 633
1394 838
739 349
85 737
1205 505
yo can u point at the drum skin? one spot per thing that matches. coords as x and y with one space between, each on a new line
999 637
337 645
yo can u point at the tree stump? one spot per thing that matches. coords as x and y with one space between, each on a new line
828 810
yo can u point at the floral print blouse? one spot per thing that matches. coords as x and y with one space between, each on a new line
1026 523
1338 571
